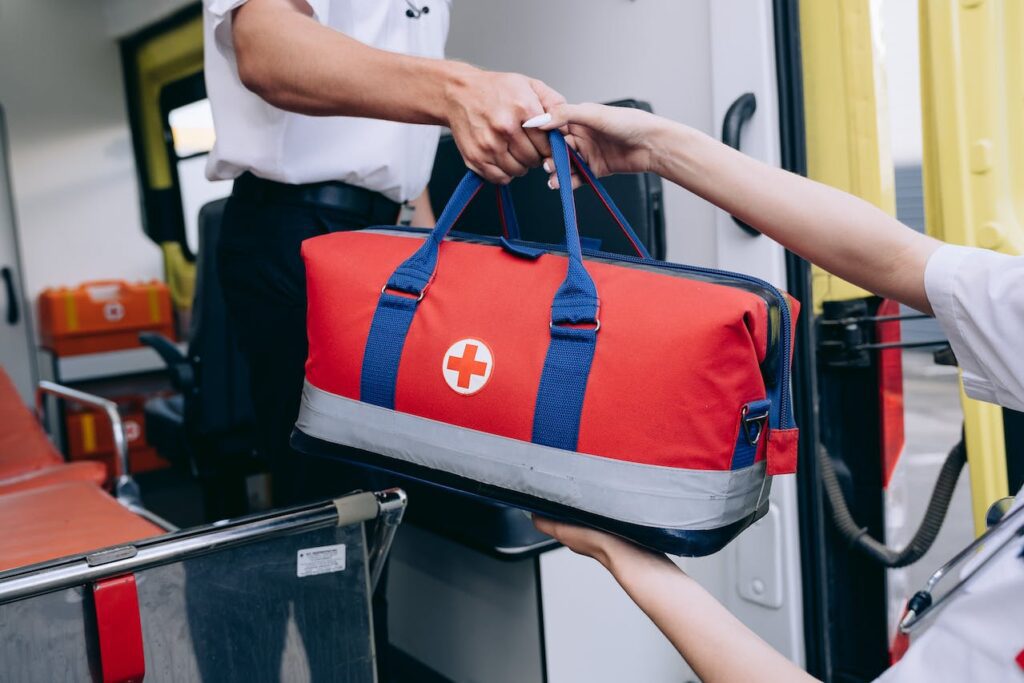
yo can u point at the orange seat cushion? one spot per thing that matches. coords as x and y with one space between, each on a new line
91 471
23 443
69 518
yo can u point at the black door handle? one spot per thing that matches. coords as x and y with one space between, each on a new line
13 314
739 113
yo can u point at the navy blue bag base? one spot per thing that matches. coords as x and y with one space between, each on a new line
671 541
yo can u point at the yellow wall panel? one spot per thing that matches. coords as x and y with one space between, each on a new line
846 112
972 90
164 59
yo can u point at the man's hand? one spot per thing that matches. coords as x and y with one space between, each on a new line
486 112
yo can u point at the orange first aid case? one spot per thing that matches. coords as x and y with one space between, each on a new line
89 436
103 315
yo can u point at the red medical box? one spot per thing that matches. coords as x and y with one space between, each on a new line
89 436
104 315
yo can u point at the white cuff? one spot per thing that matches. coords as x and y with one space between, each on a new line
219 9
941 275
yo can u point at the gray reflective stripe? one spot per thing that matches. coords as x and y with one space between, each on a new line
651 495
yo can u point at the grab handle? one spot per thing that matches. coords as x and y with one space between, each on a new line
13 311
736 116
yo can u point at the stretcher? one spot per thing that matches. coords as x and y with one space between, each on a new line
95 587
281 594
27 458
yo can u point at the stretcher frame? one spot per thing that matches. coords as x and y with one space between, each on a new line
232 543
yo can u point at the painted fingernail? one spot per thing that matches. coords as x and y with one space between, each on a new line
547 167
537 121
551 184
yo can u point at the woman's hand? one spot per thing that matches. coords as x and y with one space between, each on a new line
611 551
611 139
714 643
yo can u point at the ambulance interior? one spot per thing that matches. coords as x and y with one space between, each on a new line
104 134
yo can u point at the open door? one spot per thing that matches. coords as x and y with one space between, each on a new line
16 356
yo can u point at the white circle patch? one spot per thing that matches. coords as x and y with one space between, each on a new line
132 430
467 366
113 311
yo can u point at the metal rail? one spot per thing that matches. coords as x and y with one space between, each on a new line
125 488
387 506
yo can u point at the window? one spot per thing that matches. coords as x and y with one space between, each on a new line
191 135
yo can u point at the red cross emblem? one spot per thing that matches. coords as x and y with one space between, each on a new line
467 366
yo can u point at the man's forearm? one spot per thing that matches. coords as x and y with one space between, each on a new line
841 233
296 64
293 62
716 645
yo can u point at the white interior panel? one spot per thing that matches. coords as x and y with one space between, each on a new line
466 615
75 188
594 632
16 355
601 50
743 61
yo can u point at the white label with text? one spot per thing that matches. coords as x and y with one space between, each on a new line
322 560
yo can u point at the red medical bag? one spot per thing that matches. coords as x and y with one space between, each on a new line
645 398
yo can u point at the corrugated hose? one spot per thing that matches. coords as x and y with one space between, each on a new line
934 516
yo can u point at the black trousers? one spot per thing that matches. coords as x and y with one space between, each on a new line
264 284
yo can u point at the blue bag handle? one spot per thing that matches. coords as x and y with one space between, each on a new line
609 204
510 224
507 211
574 320
576 299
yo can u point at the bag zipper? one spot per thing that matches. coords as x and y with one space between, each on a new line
786 419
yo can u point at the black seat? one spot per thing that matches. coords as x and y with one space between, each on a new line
208 425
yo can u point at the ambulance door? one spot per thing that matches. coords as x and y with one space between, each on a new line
969 103
972 86
15 332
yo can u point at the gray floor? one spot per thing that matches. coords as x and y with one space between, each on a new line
933 419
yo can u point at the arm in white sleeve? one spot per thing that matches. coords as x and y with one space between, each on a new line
978 298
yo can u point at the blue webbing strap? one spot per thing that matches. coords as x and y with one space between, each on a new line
606 199
509 221
384 346
576 298
395 312
415 272
563 382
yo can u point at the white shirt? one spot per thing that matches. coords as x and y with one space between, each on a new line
252 135
979 635
978 298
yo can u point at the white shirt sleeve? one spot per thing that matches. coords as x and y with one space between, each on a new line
219 12
392 158
220 9
978 299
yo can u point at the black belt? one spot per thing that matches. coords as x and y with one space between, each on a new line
373 206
